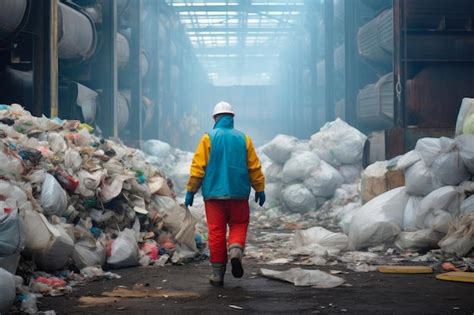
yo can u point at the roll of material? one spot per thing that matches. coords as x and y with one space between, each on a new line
77 34
12 14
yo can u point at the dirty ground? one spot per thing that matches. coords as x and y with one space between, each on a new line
185 289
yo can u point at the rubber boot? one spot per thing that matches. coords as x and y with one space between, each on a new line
217 275
236 254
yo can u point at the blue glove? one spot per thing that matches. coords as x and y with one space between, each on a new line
260 198
188 201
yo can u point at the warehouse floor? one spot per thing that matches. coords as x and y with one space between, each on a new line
188 291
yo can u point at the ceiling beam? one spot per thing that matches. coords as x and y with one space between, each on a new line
254 8
253 50
224 30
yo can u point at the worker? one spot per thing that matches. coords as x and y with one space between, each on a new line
226 164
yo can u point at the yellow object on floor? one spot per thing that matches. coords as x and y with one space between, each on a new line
458 276
405 269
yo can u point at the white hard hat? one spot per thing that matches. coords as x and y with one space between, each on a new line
223 108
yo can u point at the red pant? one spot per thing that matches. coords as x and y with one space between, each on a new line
221 213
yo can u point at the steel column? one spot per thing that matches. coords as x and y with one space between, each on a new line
351 62
108 81
136 121
329 58
45 58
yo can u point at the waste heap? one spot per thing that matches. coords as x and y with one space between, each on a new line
435 206
71 200
302 175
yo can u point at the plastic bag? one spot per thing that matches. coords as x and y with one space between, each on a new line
280 148
8 291
411 212
467 205
298 198
468 127
50 245
89 253
273 173
320 236
465 144
10 166
72 160
429 149
125 251
418 240
379 221
408 159
53 196
11 239
323 181
299 166
439 221
179 222
465 112
57 142
460 238
300 277
420 180
157 148
338 143
446 198
350 173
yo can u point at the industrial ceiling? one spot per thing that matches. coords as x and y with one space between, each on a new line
238 41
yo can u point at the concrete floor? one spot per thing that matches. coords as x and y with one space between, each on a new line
368 293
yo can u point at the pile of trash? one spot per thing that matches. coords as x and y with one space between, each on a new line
421 203
72 201
301 175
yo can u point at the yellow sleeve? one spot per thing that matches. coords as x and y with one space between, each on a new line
257 178
198 166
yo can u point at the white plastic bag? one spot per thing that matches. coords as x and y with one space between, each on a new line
88 253
430 148
449 168
321 236
7 289
460 238
408 159
466 110
56 142
298 198
10 166
53 196
379 221
273 173
324 180
467 205
410 215
50 245
11 240
279 149
300 277
420 180
446 198
125 251
465 144
338 143
418 240
439 221
350 173
299 166
72 160
157 148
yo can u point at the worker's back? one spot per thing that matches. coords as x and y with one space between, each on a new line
227 175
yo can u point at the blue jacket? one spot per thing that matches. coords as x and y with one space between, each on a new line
226 164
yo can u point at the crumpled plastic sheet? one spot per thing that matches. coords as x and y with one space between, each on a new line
304 278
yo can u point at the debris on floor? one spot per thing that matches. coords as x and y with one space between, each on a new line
304 278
